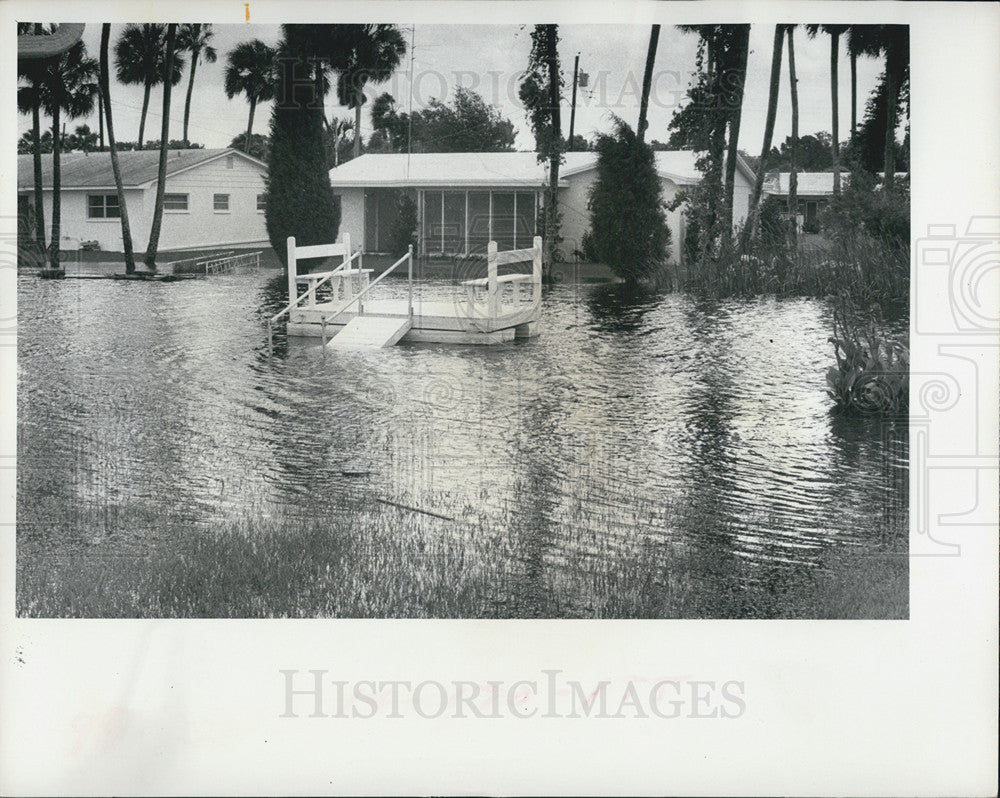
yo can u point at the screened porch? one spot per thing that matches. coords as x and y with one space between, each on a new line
464 222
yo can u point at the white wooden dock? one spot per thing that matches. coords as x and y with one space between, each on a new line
488 310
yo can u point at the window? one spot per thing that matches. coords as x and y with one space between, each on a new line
229 161
261 203
220 203
175 202
103 206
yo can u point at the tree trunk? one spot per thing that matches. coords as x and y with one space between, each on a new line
122 209
765 150
735 103
36 128
357 128
100 117
892 104
142 117
647 82
187 99
552 209
246 142
854 96
161 179
793 178
56 182
835 122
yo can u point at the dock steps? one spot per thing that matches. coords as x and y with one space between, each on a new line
370 332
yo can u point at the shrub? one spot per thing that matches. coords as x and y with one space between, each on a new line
403 224
628 221
872 372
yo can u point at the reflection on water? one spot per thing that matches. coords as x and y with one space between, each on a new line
162 398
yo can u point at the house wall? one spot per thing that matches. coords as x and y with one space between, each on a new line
352 215
198 227
201 226
575 221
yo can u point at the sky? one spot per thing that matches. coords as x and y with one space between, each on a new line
490 59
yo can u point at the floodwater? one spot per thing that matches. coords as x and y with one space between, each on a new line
659 410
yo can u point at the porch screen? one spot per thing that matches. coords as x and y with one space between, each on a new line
524 230
479 221
431 233
503 219
453 227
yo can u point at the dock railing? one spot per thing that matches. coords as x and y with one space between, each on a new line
495 284
315 279
408 258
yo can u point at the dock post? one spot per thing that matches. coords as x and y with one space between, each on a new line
536 271
492 295
409 277
292 290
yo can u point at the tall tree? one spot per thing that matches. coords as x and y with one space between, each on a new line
376 53
628 225
772 110
195 38
737 51
793 178
140 58
29 100
834 31
862 40
892 42
467 124
647 82
161 178
250 71
897 63
70 87
540 89
299 197
105 73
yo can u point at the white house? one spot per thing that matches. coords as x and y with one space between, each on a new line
212 198
813 191
465 199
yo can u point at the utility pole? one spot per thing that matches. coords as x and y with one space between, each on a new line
572 111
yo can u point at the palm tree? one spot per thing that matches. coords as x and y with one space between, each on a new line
647 80
772 110
29 101
140 58
736 56
892 42
161 177
250 71
376 53
862 40
793 178
834 31
70 87
194 38
115 167
339 129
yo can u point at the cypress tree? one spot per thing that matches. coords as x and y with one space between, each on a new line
299 195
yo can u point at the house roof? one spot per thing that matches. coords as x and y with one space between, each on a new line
508 169
809 184
139 168
440 169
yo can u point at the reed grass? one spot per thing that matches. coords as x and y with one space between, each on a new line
369 560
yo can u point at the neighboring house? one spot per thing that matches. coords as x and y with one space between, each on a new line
211 198
463 200
813 191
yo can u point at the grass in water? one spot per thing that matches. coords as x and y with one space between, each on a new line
368 560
